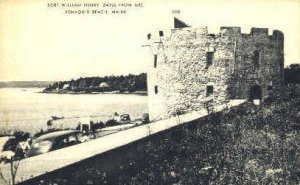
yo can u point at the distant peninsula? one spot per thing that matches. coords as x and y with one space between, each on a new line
135 84
25 84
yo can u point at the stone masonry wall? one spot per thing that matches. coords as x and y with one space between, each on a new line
268 73
178 82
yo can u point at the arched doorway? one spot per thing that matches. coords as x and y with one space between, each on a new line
255 92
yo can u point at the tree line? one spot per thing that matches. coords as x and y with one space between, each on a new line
292 74
122 83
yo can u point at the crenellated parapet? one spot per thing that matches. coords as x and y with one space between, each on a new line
225 31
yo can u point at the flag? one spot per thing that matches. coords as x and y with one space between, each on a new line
179 24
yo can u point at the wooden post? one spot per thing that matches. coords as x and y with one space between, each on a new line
12 171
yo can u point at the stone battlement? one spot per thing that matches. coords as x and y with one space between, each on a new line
226 31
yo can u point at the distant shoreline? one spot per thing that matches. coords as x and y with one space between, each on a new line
25 84
144 93
22 87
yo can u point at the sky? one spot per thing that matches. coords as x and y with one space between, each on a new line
38 42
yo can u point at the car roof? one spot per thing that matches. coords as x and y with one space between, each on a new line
56 134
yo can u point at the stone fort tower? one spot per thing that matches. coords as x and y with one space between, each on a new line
192 67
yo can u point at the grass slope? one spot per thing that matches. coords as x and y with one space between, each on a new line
244 145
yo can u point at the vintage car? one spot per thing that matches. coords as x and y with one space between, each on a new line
53 141
125 119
